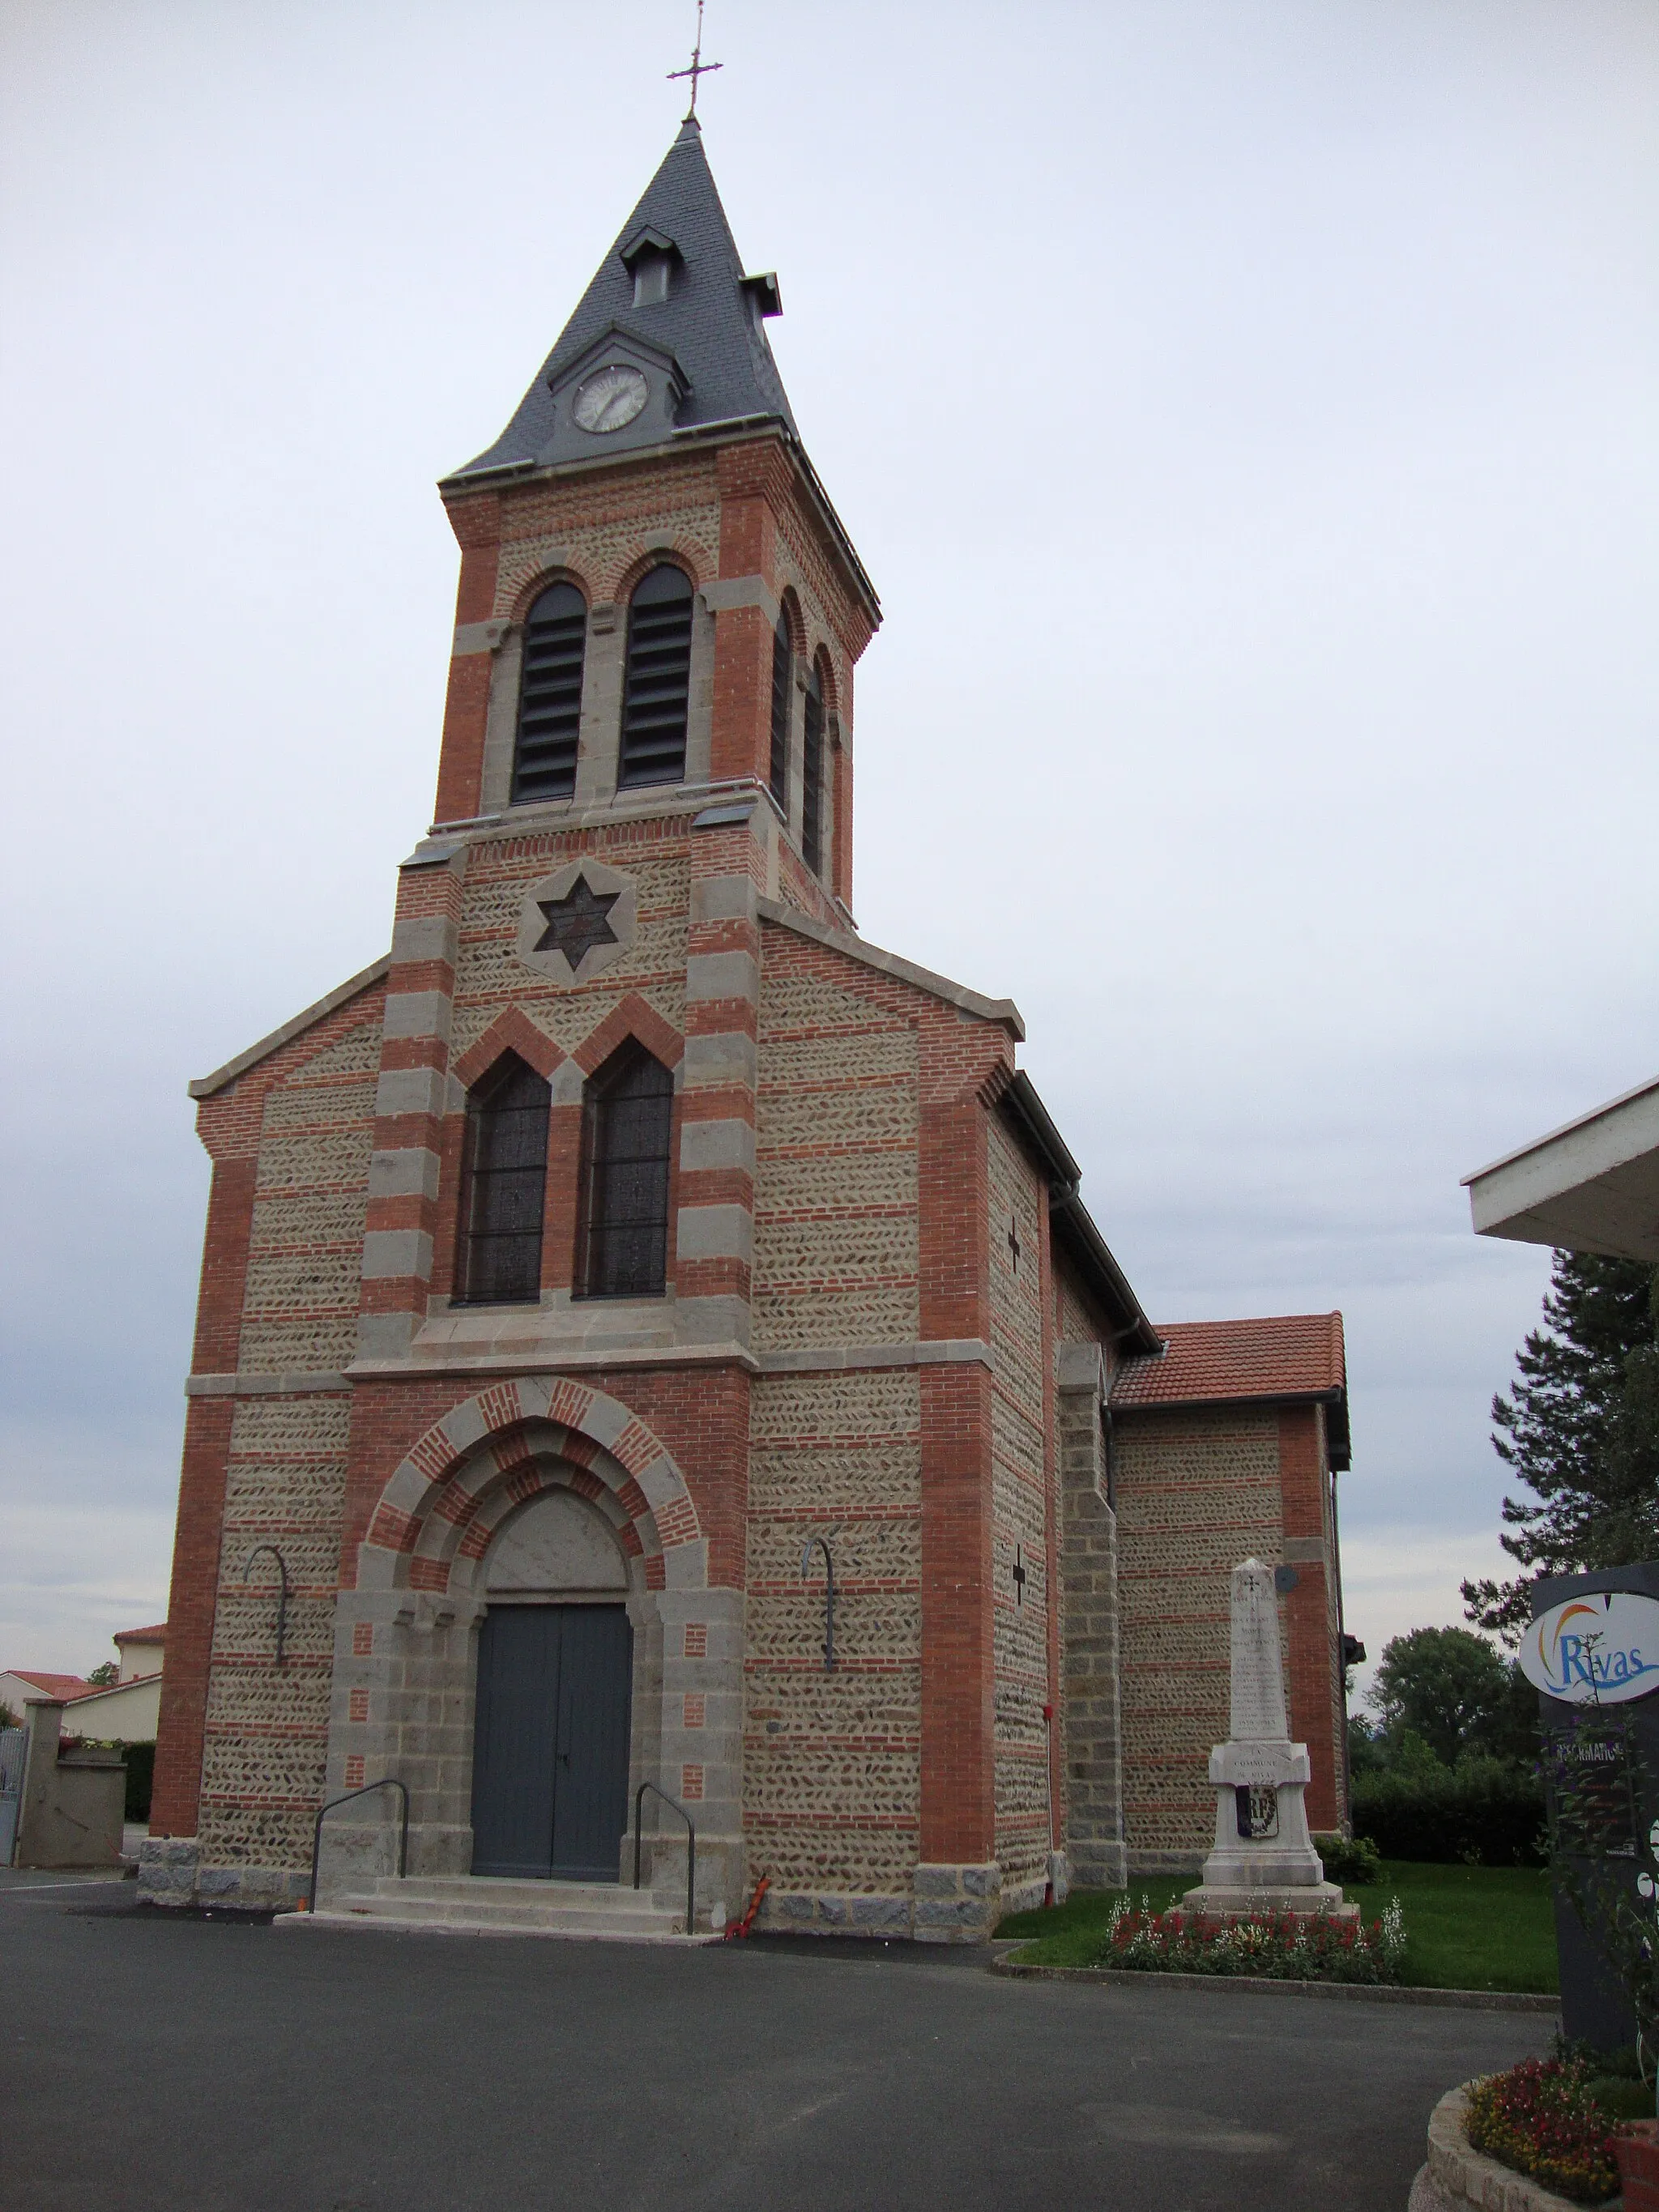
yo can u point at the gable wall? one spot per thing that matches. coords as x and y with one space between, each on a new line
242 1742
1197 1492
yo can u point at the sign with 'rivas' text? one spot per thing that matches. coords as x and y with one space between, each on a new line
1596 1650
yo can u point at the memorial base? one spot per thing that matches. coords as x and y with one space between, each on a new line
1322 1900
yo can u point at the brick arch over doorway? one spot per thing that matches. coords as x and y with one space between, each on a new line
403 1698
437 1513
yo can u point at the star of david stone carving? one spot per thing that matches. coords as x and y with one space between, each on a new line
577 923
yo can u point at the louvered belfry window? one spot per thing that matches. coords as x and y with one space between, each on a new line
503 1187
812 780
551 696
658 686
627 1116
782 668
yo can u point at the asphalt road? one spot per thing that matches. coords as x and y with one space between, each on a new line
157 2065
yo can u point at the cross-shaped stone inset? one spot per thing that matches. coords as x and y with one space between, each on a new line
1013 1243
578 922
1019 1576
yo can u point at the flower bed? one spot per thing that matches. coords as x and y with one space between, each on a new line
1278 1946
1541 2119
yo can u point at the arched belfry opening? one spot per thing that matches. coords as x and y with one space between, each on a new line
554 1700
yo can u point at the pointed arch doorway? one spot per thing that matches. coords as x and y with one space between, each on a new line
554 1702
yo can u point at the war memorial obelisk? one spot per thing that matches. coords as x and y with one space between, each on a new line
1264 1860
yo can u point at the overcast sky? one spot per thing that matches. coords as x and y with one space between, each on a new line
1246 411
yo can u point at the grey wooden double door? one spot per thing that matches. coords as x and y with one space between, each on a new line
550 1746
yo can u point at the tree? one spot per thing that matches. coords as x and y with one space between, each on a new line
104 1674
1446 1686
1581 1433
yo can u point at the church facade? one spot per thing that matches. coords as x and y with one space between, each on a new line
652 1352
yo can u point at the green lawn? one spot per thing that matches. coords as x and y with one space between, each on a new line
1467 1928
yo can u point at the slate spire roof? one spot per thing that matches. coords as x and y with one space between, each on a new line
709 324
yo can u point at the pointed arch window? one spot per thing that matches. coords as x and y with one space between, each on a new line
658 682
551 696
627 1122
812 780
503 1186
782 670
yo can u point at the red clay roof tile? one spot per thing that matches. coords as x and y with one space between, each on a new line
53 1685
1211 1362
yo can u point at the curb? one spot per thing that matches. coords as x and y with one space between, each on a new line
1259 1985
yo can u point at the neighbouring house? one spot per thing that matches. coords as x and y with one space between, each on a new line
18 1685
141 1651
632 1242
128 1709
125 1710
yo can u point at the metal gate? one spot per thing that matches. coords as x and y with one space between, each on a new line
14 1742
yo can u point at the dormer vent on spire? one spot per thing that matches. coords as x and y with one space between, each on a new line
649 258
764 295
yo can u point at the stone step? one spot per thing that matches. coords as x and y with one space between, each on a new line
498 1912
503 1889
403 1924
595 1913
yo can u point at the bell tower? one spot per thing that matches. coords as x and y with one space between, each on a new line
657 440
647 737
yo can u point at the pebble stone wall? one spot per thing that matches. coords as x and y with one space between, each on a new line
832 1759
266 1729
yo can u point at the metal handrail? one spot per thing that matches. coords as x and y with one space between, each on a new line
387 1781
281 1596
690 1844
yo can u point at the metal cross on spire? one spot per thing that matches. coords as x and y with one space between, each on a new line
699 67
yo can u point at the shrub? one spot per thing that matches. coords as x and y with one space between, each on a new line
1623 2064
1485 1812
1541 2119
1622 2100
1356 1861
1284 1946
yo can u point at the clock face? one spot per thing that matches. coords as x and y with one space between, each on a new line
610 398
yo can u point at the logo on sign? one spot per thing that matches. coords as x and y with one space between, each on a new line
1598 1649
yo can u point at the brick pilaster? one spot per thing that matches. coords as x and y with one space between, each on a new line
959 1654
477 522
194 1600
1313 1656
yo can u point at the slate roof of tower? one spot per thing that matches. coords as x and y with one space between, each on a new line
1286 1356
706 322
